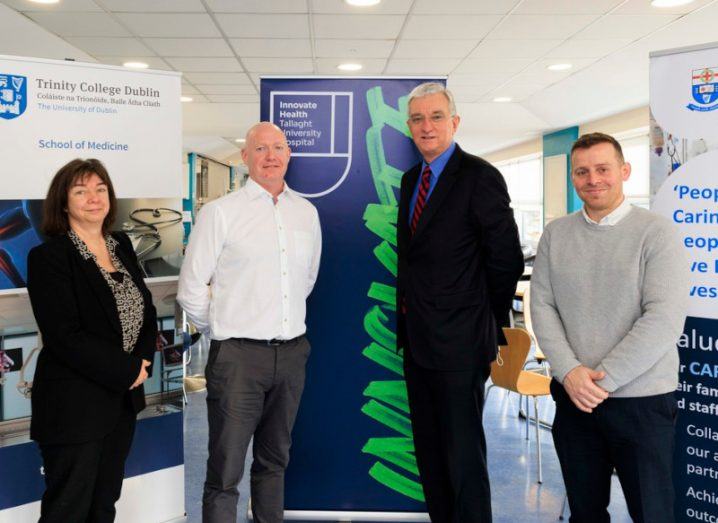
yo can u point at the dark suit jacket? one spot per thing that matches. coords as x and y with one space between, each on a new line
457 275
83 375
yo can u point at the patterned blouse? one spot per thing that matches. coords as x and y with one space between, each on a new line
129 299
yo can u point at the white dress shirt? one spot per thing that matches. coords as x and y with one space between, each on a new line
615 216
250 265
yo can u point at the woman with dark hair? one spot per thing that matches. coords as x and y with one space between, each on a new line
99 330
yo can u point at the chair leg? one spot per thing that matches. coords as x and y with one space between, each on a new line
538 440
528 416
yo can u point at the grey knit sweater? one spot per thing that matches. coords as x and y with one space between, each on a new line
612 298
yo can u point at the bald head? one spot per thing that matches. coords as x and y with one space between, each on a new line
266 155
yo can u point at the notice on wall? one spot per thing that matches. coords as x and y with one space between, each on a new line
54 111
684 188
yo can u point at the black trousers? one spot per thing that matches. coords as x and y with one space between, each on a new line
446 410
84 481
633 435
252 390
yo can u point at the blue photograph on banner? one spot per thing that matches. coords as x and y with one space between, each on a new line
19 226
352 445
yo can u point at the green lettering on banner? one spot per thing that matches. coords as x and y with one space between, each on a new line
388 403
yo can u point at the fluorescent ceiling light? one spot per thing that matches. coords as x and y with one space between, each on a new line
349 67
669 3
362 3
559 67
185 98
45 1
136 65
240 140
502 99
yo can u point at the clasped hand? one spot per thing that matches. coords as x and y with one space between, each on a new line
580 384
142 376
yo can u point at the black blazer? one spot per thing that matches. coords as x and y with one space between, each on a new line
83 375
457 275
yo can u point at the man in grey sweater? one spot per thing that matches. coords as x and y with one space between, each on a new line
608 301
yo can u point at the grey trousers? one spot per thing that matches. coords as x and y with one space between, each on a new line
252 390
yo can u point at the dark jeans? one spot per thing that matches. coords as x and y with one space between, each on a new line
633 435
84 481
446 410
252 390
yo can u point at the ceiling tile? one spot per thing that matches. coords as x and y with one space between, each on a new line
433 66
279 65
433 48
154 6
588 48
472 27
233 98
264 26
110 46
477 7
205 65
153 62
370 66
225 89
272 47
258 6
490 79
189 89
625 26
641 7
66 5
541 26
170 25
565 7
79 24
218 78
330 48
493 65
392 7
357 26
516 90
514 48
468 93
189 47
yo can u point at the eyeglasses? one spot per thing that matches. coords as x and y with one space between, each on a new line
434 118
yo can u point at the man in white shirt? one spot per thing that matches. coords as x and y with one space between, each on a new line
251 262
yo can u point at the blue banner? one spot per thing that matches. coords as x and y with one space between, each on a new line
352 447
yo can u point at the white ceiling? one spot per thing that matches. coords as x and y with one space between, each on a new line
487 48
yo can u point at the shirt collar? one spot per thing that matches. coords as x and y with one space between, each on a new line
255 190
613 217
439 163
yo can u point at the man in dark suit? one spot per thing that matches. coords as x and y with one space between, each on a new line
459 261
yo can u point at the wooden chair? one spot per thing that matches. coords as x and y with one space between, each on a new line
507 372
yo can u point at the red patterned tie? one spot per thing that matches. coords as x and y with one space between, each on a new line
421 197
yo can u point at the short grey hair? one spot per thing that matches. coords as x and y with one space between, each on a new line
428 88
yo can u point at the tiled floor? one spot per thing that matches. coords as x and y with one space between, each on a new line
516 496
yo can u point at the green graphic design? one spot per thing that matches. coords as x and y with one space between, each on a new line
387 400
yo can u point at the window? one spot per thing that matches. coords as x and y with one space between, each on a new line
524 178
635 151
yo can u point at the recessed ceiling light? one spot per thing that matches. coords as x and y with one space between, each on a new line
136 65
185 98
240 140
502 99
362 3
349 67
669 3
45 1
559 67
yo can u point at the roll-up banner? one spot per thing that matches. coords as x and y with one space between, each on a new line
52 111
684 188
352 446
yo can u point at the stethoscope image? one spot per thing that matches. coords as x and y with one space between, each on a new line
147 232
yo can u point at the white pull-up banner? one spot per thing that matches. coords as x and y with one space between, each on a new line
52 111
684 188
